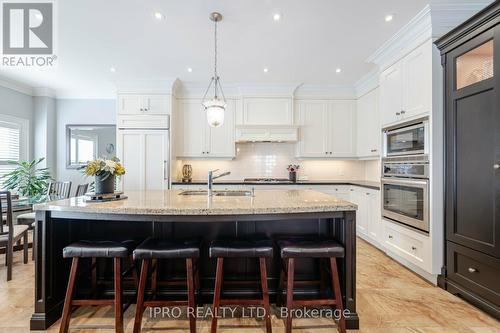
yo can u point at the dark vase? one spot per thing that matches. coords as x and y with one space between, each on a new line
104 185
292 176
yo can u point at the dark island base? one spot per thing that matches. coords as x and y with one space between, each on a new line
54 230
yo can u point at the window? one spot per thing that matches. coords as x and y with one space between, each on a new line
13 142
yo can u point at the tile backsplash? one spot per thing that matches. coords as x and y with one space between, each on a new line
271 160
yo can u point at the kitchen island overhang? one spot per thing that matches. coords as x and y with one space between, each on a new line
168 214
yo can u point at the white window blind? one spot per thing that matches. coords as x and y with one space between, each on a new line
10 146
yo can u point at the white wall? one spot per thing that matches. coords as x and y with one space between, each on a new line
44 132
79 112
19 105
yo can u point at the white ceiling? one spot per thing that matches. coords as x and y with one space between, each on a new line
313 38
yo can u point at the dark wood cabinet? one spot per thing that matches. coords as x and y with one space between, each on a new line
471 63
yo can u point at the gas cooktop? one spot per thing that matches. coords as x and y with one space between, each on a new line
266 180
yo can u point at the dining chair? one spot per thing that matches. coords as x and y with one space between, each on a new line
59 189
81 190
10 234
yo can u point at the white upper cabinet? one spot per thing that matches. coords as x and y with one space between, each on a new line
137 104
197 139
342 131
417 84
368 129
406 86
326 128
391 94
267 111
313 120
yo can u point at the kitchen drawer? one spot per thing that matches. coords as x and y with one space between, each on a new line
408 244
474 270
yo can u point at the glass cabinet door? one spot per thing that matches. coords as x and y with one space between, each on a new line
475 65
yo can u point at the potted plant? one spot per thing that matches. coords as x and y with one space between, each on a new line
292 172
27 179
105 171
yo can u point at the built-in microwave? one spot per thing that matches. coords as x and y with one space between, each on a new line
411 138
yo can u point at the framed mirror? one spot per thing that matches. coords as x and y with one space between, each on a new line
88 142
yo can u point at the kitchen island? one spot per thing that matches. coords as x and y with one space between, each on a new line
168 214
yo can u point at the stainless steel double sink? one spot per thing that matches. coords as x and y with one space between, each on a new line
219 193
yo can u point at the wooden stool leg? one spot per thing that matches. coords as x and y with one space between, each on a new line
191 299
289 295
9 259
25 247
93 275
265 294
118 296
217 292
338 293
69 297
281 286
33 244
139 309
154 278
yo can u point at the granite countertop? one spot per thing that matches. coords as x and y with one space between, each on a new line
169 202
363 183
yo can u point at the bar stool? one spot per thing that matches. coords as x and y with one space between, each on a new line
256 248
96 249
153 249
292 249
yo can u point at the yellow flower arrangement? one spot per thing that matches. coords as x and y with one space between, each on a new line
104 167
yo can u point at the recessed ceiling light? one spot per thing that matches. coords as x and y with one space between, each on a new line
159 16
277 17
189 69
338 70
112 69
266 70
388 18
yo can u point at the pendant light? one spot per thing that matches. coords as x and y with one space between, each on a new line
215 106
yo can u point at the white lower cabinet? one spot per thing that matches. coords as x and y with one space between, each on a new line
411 248
368 218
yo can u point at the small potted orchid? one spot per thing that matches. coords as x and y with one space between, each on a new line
105 171
292 172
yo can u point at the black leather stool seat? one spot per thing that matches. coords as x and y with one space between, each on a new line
310 248
154 248
99 249
244 248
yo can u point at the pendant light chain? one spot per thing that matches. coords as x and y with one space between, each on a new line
215 62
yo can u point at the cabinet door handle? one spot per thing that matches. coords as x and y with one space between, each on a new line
142 109
374 150
403 112
496 166
398 113
472 270
390 237
165 170
413 248
326 153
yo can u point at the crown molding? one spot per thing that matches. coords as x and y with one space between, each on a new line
324 91
167 86
16 86
367 83
430 23
44 92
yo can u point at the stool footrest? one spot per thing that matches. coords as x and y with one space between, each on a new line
315 302
155 303
92 302
241 302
